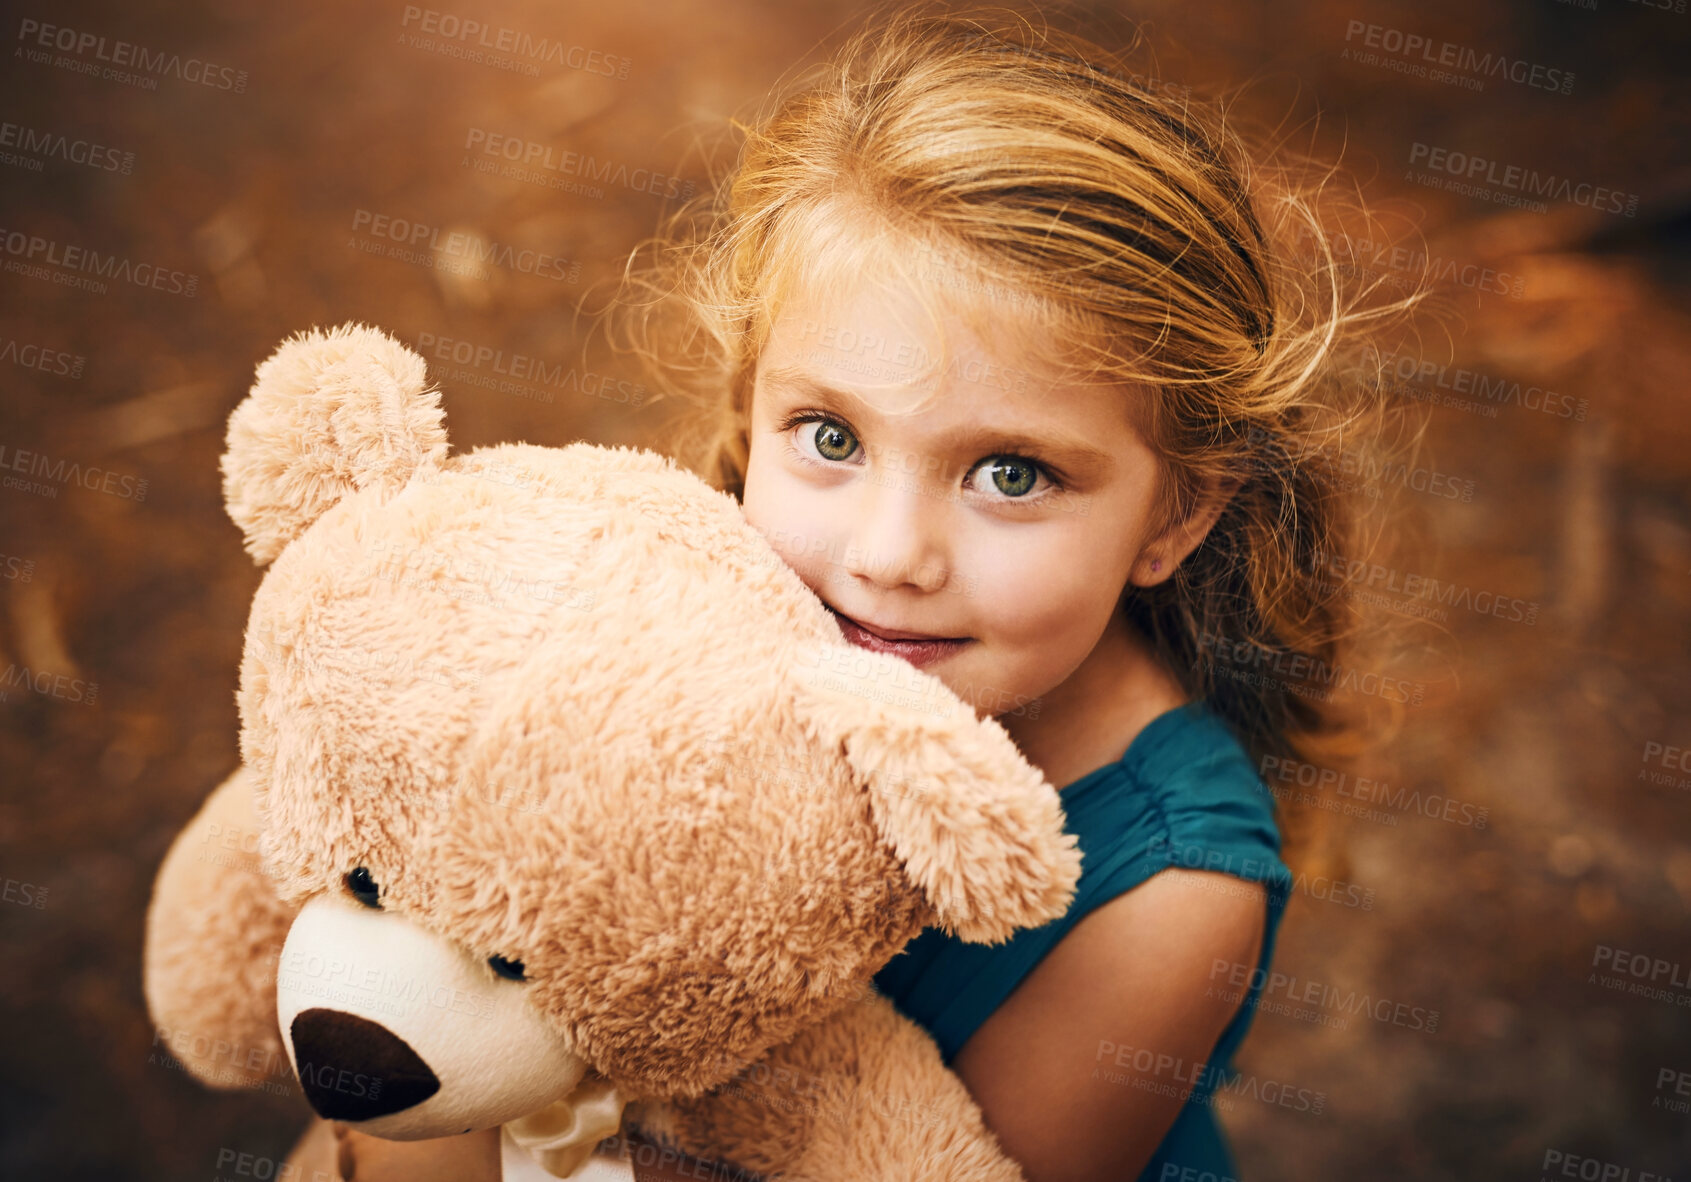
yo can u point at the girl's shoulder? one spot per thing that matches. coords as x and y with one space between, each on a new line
1185 794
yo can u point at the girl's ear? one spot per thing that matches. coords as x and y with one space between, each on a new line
1169 549
978 830
329 413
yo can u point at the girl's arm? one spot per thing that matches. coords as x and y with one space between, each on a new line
1053 1067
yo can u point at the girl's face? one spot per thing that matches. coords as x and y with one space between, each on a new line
1005 517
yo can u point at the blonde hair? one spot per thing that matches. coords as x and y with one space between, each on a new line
1150 248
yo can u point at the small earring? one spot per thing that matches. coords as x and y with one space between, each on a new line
1156 565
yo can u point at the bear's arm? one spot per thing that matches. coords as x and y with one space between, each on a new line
214 933
861 1096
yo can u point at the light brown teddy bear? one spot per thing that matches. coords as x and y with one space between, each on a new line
565 809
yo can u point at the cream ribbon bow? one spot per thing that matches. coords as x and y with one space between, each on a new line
558 1141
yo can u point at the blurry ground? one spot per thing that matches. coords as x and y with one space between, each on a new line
1522 934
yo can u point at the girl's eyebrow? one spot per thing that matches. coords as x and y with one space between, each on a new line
1072 455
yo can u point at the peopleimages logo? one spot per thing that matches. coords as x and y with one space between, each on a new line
70 264
1492 391
1371 575
61 472
1447 62
465 37
433 246
1473 172
533 160
1279 774
1402 266
74 45
28 355
35 145
490 368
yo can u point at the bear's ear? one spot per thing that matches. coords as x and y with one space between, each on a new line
329 413
978 830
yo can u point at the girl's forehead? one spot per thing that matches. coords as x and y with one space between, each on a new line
894 315
894 312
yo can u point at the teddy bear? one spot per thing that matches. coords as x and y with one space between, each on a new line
565 809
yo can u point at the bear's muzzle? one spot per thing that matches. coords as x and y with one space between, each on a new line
411 1036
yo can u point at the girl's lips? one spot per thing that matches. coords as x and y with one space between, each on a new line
920 653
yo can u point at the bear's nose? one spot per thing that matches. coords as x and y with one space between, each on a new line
355 1069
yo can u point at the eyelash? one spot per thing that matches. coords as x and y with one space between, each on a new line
799 417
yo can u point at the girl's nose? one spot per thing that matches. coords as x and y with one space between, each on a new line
898 537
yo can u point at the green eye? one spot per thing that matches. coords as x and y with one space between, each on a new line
1011 476
833 442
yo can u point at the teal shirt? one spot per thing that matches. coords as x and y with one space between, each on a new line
1184 794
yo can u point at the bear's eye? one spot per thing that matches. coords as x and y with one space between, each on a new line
363 887
511 970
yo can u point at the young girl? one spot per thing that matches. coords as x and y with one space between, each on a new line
1015 363
1018 365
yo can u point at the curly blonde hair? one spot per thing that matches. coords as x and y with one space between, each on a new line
1155 254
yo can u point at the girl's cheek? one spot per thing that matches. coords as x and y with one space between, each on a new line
794 520
1037 591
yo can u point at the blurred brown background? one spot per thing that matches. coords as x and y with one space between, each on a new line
1523 932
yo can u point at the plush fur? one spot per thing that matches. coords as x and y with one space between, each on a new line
567 707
